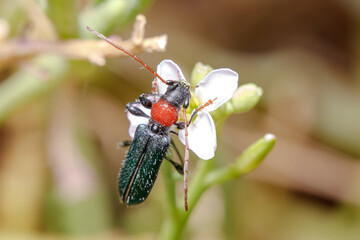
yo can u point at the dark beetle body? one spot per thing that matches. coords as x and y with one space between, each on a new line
142 164
151 141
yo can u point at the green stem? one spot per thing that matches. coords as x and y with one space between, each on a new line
206 176
174 229
38 77
64 16
171 210
108 14
170 191
103 17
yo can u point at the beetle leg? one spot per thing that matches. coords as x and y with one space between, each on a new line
201 107
178 167
147 100
173 132
177 152
133 109
125 143
181 125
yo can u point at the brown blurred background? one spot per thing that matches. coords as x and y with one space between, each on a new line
305 56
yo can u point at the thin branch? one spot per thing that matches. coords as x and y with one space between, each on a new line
95 51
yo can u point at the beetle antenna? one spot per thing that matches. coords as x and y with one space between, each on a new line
126 52
186 161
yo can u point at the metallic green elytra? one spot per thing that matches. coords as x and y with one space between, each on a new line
141 165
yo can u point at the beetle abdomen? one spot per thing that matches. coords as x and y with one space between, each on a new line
141 165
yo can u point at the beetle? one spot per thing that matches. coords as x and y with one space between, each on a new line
151 141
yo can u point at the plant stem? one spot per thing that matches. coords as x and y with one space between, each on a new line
174 228
64 16
170 191
37 77
206 176
171 210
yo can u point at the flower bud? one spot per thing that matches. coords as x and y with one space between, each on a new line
199 72
253 155
245 98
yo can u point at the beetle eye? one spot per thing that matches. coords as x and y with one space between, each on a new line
171 82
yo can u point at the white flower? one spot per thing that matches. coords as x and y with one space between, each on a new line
219 84
135 121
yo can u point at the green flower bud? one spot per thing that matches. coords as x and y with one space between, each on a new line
199 72
245 98
253 155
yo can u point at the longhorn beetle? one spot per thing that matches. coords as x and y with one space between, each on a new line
151 141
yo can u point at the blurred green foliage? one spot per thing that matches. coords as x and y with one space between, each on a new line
74 198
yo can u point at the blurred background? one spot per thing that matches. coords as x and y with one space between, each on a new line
62 116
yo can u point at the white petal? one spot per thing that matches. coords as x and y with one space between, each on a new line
220 84
168 70
135 120
202 136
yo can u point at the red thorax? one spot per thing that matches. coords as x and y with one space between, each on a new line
164 113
